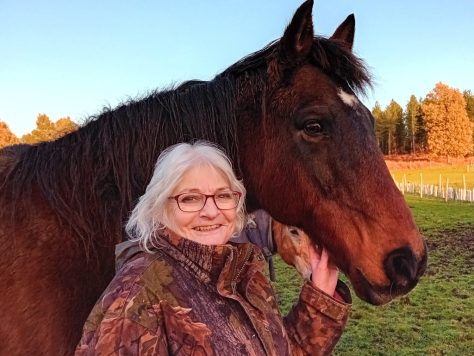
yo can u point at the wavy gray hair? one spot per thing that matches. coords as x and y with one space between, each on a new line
151 213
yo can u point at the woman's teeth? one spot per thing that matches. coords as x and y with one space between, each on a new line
206 228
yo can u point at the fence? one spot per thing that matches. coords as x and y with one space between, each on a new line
440 191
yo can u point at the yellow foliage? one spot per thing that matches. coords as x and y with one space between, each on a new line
46 130
448 126
7 137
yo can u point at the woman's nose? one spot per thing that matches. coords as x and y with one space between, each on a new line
209 209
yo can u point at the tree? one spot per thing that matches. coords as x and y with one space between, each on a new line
7 137
448 126
412 113
379 125
394 127
64 126
469 98
421 137
46 130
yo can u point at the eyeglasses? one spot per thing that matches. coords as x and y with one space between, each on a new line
192 202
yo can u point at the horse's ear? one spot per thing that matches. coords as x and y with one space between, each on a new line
298 37
345 32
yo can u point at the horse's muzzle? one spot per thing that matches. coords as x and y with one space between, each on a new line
403 268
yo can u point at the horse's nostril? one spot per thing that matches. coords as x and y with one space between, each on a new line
401 266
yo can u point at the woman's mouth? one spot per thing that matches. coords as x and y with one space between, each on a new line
207 227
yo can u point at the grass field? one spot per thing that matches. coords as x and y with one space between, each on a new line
431 175
437 317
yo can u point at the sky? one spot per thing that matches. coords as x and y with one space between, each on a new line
72 58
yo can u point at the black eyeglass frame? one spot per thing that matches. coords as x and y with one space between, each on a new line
206 196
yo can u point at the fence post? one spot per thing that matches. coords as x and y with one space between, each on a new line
421 185
447 186
464 183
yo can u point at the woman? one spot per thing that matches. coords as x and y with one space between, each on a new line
188 291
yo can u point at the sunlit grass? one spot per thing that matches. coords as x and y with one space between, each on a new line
456 175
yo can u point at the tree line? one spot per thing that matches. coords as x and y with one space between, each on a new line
441 124
46 130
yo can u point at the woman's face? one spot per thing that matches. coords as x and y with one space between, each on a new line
210 225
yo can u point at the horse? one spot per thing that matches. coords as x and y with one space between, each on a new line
273 237
289 119
292 245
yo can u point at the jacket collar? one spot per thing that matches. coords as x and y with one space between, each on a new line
205 261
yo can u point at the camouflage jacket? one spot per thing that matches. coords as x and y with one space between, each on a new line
193 299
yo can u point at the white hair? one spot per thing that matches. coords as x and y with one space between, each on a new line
151 213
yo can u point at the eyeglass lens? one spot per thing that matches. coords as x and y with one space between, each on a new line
196 201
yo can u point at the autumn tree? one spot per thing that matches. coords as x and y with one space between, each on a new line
7 137
448 126
46 130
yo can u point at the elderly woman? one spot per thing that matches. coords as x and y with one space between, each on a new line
189 291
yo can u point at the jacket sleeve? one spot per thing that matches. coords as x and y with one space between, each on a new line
122 336
317 320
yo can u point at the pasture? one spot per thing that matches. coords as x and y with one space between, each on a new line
437 317
455 174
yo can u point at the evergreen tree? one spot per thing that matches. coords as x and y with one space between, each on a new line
7 138
421 137
394 127
412 113
379 124
469 98
448 126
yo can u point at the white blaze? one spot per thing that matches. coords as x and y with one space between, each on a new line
348 99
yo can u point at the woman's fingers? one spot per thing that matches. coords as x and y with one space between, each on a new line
325 273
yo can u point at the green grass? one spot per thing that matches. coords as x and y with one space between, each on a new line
437 317
431 175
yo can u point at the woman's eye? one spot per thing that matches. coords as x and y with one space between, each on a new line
225 196
313 128
190 198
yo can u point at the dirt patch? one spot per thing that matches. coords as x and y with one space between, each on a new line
451 252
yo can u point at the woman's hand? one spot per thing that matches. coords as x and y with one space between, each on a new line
324 272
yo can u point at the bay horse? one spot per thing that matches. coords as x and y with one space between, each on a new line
298 136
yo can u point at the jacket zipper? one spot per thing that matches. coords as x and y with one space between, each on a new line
233 283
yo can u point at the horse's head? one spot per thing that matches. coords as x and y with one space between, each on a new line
292 244
311 159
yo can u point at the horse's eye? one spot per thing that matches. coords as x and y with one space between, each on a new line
313 128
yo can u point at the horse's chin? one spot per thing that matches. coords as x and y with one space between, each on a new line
374 294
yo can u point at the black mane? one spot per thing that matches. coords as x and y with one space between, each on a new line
331 57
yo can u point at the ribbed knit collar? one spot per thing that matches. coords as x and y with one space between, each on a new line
206 261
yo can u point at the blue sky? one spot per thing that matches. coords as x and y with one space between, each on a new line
71 58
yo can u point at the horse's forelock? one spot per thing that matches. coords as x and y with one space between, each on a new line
334 58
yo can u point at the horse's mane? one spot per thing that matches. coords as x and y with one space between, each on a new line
100 170
331 56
